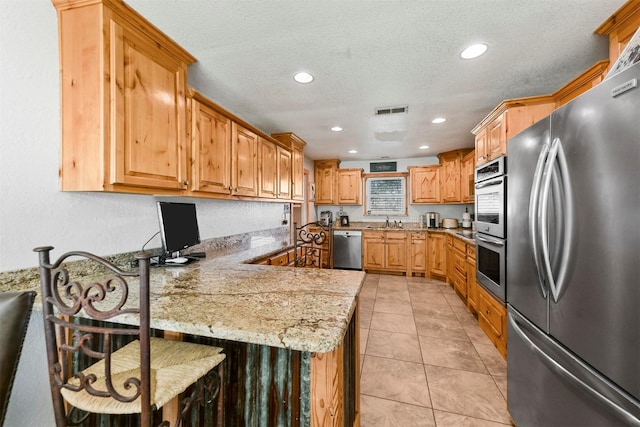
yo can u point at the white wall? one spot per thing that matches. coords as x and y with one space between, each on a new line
33 211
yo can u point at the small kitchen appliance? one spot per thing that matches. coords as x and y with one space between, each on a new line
450 223
344 220
326 218
466 220
433 219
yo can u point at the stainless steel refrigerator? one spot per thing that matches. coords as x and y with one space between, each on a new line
573 262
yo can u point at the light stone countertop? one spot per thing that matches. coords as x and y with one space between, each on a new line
222 297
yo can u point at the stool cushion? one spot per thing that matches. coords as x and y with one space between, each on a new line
175 365
15 311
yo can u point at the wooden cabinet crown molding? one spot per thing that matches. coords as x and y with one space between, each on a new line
509 104
620 27
134 19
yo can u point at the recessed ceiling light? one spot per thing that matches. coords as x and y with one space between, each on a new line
303 77
336 129
438 120
474 51
423 147
353 151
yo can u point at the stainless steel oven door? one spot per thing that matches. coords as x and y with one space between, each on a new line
491 264
490 206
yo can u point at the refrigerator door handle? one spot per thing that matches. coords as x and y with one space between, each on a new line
565 373
534 200
556 167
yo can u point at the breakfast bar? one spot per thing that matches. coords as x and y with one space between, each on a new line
290 335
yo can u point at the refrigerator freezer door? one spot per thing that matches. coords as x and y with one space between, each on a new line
525 288
597 314
548 386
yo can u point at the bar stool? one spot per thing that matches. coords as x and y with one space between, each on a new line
88 373
15 311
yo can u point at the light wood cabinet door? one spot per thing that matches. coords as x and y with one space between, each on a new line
150 114
325 180
244 157
396 250
497 137
211 150
492 318
481 147
451 180
283 173
349 186
418 252
124 107
425 184
373 250
472 292
268 169
467 179
437 255
297 173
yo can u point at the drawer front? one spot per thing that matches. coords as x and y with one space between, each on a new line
460 283
449 240
491 312
460 245
471 251
280 260
460 262
418 236
373 234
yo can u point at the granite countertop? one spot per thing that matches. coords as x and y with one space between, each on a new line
465 234
223 297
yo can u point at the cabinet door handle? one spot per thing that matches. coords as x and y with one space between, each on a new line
185 182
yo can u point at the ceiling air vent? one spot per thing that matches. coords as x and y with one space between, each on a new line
392 110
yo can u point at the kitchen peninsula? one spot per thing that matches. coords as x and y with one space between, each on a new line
290 334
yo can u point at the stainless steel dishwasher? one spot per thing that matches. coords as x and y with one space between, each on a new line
347 249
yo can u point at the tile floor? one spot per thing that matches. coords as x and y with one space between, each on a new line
424 359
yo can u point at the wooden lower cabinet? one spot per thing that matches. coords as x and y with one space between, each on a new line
385 250
472 285
418 255
492 318
437 255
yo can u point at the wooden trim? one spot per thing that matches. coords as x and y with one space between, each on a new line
592 73
619 17
194 94
508 104
327 389
132 17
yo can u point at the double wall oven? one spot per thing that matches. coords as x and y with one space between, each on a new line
491 216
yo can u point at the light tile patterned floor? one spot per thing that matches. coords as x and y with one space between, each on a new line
424 359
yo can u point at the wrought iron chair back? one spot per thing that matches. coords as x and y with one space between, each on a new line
312 244
82 329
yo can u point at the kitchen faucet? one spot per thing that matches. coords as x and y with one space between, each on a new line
387 223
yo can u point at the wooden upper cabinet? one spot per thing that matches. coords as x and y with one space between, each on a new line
124 113
509 118
425 184
482 149
268 168
325 180
349 182
244 161
497 137
211 149
467 177
296 144
283 174
451 170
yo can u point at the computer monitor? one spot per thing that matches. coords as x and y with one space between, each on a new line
178 226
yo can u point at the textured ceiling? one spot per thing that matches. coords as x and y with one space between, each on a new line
369 54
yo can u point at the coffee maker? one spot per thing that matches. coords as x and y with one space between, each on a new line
433 219
326 218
